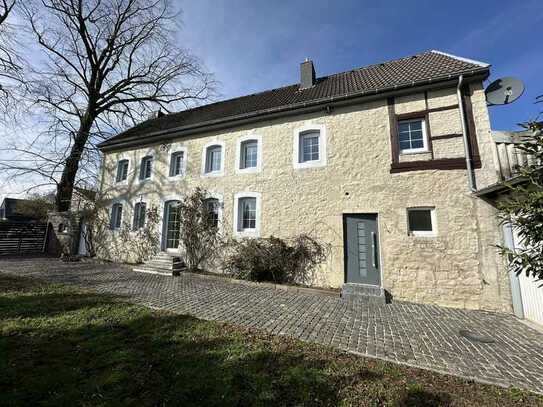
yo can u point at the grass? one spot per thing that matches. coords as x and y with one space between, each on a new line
61 346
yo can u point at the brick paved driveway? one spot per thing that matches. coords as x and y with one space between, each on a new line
418 335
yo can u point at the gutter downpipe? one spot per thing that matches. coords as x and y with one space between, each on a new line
471 175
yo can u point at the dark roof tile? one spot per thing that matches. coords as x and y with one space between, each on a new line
431 65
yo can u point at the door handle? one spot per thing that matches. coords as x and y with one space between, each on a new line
374 247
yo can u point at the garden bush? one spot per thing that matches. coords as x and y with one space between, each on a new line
281 261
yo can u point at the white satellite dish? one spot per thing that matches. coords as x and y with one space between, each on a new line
504 91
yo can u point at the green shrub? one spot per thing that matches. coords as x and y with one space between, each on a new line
277 260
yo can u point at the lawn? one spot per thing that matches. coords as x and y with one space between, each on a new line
62 346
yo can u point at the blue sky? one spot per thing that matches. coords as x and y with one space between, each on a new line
254 45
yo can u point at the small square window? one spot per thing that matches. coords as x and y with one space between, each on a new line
421 221
412 136
146 167
309 147
176 163
122 171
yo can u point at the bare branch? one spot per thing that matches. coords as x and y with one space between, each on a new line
108 63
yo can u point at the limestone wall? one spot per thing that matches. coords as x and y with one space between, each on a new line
458 268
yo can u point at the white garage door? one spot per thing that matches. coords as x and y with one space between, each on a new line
531 292
532 298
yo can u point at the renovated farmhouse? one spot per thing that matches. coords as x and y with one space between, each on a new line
382 162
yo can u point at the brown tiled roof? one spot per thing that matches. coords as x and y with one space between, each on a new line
409 71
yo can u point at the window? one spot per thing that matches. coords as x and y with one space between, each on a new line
247 214
116 216
146 167
176 163
421 221
213 159
212 206
122 170
412 136
139 215
309 146
249 154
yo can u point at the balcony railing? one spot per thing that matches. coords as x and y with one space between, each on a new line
509 157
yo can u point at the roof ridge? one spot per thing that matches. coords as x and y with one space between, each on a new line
365 67
471 61
388 61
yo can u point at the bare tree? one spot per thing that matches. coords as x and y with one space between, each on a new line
11 64
107 64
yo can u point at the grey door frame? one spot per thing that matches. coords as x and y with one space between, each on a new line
345 245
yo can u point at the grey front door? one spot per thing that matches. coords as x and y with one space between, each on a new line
361 242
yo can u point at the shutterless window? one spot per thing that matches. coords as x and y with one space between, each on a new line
139 215
247 214
116 216
309 146
146 167
213 158
249 154
421 221
176 163
122 170
412 136
212 207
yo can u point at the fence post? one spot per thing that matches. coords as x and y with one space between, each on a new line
45 236
19 241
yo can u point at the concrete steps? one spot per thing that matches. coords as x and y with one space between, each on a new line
163 263
361 292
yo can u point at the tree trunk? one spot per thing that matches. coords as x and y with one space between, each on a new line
65 187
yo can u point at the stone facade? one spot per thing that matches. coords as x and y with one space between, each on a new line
459 267
63 236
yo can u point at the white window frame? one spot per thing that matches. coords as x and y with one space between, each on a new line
220 172
184 164
423 233
123 213
321 162
247 232
152 157
124 181
425 148
239 155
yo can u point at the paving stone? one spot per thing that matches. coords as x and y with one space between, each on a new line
421 335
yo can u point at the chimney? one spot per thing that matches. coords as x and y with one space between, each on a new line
307 74
155 114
